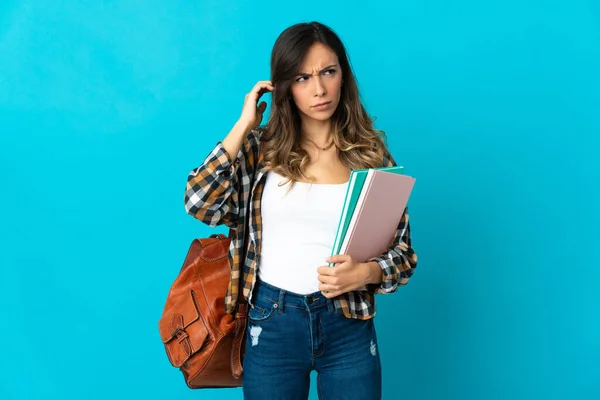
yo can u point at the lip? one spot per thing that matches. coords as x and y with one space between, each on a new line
322 106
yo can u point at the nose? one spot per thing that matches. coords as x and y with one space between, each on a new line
319 88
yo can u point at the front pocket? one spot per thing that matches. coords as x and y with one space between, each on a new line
263 310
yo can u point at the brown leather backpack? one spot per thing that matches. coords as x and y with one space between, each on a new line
201 339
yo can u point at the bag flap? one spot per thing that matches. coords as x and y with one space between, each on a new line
182 330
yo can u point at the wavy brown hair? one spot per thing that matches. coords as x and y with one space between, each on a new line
359 145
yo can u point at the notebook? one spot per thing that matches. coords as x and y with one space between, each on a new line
355 185
367 231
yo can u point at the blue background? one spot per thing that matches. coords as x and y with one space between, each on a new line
105 106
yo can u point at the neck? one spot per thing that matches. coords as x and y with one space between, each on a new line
317 132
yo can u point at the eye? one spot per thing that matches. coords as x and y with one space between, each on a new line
330 71
302 78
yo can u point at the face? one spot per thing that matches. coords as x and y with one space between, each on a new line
317 89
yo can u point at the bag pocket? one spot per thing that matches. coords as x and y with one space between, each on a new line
182 330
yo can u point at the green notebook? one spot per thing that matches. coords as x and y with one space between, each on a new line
355 185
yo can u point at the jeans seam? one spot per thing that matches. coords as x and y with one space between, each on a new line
320 334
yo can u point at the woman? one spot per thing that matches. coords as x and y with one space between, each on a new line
284 185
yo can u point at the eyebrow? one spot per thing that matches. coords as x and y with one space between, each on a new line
324 69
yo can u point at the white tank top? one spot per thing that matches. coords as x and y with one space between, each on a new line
298 230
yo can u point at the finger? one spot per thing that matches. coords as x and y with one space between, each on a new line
326 271
257 93
338 258
327 280
331 294
322 286
263 87
264 90
332 282
262 107
328 287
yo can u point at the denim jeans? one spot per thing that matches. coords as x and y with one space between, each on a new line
289 335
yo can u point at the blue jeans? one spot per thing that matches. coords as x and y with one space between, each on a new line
289 335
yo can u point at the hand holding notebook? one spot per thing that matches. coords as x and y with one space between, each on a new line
375 202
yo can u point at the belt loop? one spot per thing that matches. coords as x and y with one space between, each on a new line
281 295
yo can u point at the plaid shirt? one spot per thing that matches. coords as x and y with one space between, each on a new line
225 191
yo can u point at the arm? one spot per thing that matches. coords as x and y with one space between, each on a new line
382 274
398 263
213 189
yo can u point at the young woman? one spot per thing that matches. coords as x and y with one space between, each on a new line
284 184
